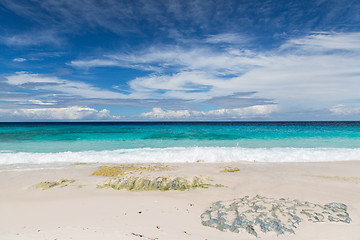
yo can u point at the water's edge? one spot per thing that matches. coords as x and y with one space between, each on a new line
181 155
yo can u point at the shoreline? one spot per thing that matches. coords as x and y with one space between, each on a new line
150 155
81 210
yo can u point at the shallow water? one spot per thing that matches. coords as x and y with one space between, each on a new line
25 143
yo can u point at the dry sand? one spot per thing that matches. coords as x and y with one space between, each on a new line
82 211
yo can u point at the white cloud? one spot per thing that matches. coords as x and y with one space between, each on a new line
55 84
39 102
158 113
323 41
93 63
160 58
253 111
236 113
233 38
35 38
21 78
66 113
341 109
312 71
19 59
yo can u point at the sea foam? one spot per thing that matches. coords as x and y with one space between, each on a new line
182 154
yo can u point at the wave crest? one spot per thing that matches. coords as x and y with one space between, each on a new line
182 154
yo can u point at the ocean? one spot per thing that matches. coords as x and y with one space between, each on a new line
39 145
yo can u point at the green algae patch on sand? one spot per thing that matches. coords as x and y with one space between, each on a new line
230 170
261 215
146 183
344 179
79 163
114 171
218 185
47 185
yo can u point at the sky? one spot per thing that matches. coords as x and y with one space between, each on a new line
200 60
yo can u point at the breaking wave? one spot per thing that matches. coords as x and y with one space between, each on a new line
181 154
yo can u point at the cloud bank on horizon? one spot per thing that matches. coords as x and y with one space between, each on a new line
179 60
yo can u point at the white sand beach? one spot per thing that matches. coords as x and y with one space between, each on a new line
80 210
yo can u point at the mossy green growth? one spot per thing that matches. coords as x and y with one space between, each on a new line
79 163
133 183
230 169
219 185
345 179
113 171
47 185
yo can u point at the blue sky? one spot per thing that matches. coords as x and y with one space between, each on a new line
179 60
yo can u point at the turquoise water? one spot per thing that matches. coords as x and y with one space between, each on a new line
131 139
101 136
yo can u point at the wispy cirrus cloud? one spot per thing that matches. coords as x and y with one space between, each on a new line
19 60
186 16
323 42
183 57
94 63
33 38
29 90
227 38
53 84
318 69
343 110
